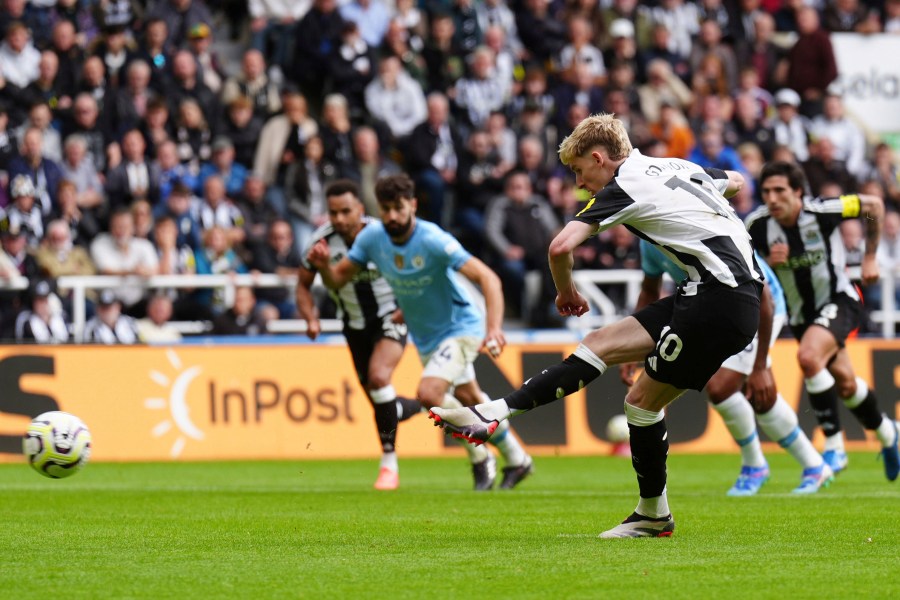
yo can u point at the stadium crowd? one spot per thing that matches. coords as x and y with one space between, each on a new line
129 145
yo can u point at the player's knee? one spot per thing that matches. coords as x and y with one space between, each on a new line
717 391
379 378
430 395
810 362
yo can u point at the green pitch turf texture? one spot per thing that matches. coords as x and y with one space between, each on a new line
318 530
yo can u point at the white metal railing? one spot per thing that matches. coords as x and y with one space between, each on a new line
603 310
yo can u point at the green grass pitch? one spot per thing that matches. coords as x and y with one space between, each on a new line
317 530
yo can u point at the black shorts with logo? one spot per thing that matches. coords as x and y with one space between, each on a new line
840 316
695 334
362 342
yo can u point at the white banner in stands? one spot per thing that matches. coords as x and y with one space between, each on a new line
870 77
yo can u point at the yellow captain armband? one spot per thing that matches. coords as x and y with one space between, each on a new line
587 207
851 205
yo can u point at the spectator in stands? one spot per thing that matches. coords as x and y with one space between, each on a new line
24 214
82 222
623 48
157 126
628 10
811 63
370 165
134 178
673 131
581 51
186 84
258 213
40 118
93 83
395 99
156 327
480 93
180 16
682 21
892 16
713 110
243 129
824 167
110 326
143 219
661 48
432 157
748 84
243 318
791 128
479 179
209 66
712 152
543 36
279 256
337 141
848 139
217 210
116 50
78 169
281 142
177 258
750 125
497 14
71 59
443 57
581 90
709 42
317 38
544 179
533 122
306 181
216 257
885 173
46 322
371 16
19 59
399 43
193 135
254 84
662 85
88 122
518 227
888 255
155 49
44 173
503 139
17 268
465 17
47 88
7 148
130 101
171 172
847 16
617 103
119 252
351 69
534 92
272 28
224 166
762 54
58 255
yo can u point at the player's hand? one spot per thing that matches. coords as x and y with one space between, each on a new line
494 343
319 255
397 317
870 272
761 390
571 304
313 329
626 373
778 254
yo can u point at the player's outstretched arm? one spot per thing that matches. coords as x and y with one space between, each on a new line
735 183
481 275
872 212
569 302
760 384
305 304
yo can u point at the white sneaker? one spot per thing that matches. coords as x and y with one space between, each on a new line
464 423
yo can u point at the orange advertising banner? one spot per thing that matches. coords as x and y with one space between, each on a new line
304 402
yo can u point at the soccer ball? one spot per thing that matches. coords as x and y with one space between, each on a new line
57 444
617 429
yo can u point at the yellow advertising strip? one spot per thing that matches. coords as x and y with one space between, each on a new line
303 402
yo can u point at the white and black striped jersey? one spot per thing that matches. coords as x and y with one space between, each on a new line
678 206
124 332
367 297
815 270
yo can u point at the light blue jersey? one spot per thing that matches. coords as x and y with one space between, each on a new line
422 273
654 263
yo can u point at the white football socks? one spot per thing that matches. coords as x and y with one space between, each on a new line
781 425
389 461
739 419
505 441
655 508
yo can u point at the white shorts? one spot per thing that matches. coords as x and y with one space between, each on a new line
452 360
742 362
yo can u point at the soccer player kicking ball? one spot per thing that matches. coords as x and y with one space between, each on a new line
419 260
683 338
750 368
798 238
375 335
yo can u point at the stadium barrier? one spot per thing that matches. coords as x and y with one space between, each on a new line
287 398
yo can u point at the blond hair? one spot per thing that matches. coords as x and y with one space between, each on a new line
596 130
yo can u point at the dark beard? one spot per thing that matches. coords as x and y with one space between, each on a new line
398 230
